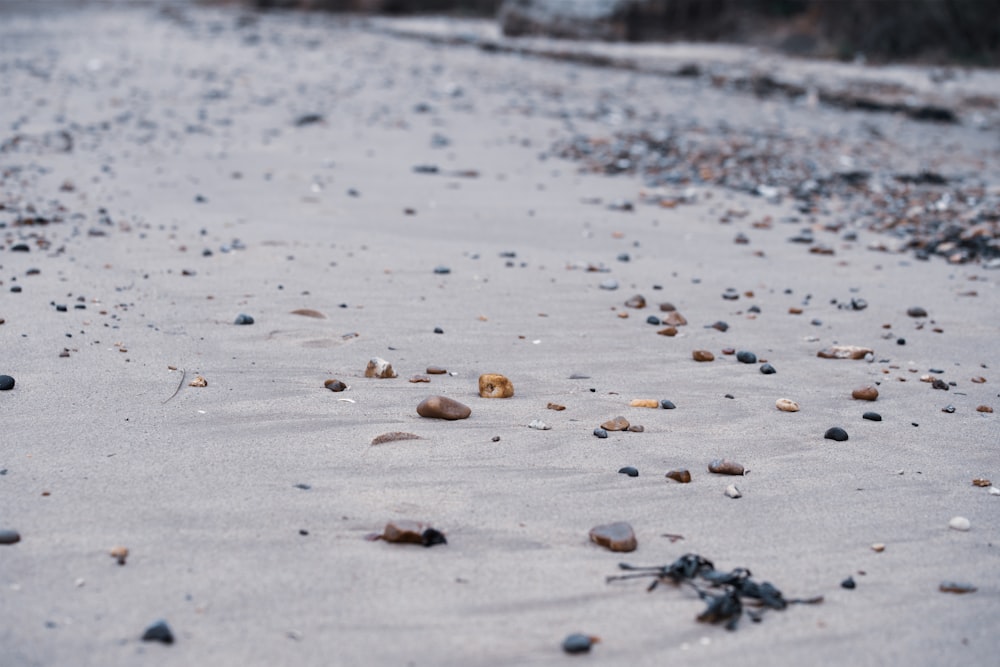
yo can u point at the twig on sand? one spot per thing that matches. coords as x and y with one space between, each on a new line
179 384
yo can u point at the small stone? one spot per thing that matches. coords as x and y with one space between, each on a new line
767 369
556 407
702 355
243 318
654 320
956 587
198 381
866 393
668 331
950 409
960 523
979 379
436 370
629 470
729 351
637 301
406 531
379 368
981 482
119 554
731 294
733 492
720 326
673 319
726 467
6 383
415 379
836 433
844 352
644 403
786 405
442 270
746 357
681 475
600 433
667 307
158 632
984 408
492 385
578 643
940 384
609 284
309 312
394 436
994 491
617 424
438 330
539 425
848 583
8 536
872 416
335 385
878 547
442 407
617 536
916 311
667 405
635 428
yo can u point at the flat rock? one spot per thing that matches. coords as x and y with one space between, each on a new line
617 424
845 352
681 475
865 393
494 385
442 407
958 587
726 467
407 531
872 416
556 406
416 379
394 436
702 355
379 368
673 318
668 331
309 312
617 536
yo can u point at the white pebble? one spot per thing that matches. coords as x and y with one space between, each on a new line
994 491
539 425
733 492
959 523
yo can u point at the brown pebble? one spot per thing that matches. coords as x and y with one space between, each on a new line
979 379
729 350
379 368
703 355
636 428
335 385
119 554
442 407
435 370
786 405
667 307
878 547
493 385
644 403
844 352
404 531
794 311
637 301
309 312
198 381
617 424
668 331
682 475
419 378
866 393
984 408
979 481
394 436
617 536
556 407
726 467
673 319
956 587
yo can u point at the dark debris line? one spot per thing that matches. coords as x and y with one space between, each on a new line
726 593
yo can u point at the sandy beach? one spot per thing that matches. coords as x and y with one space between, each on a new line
168 171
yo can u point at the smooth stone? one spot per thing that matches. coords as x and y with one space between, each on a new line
442 407
673 319
494 385
556 406
609 284
635 428
916 311
872 416
436 370
668 307
578 643
335 385
379 368
654 320
681 475
394 436
746 357
786 405
866 393
617 424
667 405
419 378
6 383
644 403
309 312
848 583
637 301
8 536
956 587
600 433
539 425
726 467
767 369
844 352
729 350
960 523
243 318
158 632
836 433
617 536
630 471
733 492
442 270
668 331
720 326
702 355
406 531
438 330
984 408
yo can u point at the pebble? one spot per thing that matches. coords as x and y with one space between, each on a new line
636 428
8 536
674 319
654 320
419 378
668 307
994 491
438 330
984 408
335 385
916 311
644 403
617 424
637 301
394 436
733 492
539 425
981 482
436 370
726 467
836 433
848 583
119 553
493 385
309 312
600 433
956 587
198 381
442 270
668 331
578 643
6 383
746 357
243 318
379 368
702 355
866 393
767 369
681 475
878 547
960 523
158 632
950 409
629 470
617 536
872 416
555 406
844 352
609 284
407 531
720 326
442 407
667 405
729 350
786 405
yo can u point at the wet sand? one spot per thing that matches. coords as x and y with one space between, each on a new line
183 128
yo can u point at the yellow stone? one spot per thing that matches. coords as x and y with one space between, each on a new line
494 385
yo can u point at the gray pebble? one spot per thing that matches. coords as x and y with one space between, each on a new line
667 405
243 318
609 284
9 536
158 632
577 643
767 369
600 432
630 471
836 433
6 383
746 357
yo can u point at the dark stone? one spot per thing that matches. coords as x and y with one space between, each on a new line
746 357
61 307
753 309
667 405
940 384
767 369
16 289
438 330
871 416
442 270
950 409
600 432
158 632
335 385
426 169
20 247
836 433
431 537
243 318
6 383
8 536
308 119
900 341
653 319
630 471
720 326
848 583
304 487
577 643
916 311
